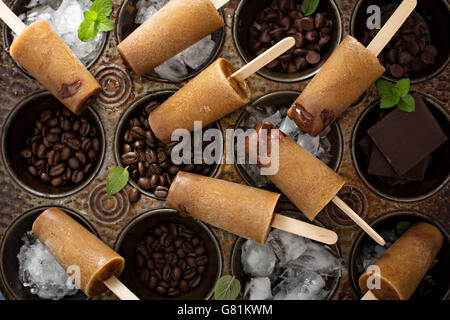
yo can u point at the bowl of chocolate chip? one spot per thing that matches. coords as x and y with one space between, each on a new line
420 50
258 25
48 150
169 257
148 159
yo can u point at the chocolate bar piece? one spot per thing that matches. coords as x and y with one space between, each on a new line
406 138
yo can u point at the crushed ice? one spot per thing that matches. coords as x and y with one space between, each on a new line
289 267
39 271
65 17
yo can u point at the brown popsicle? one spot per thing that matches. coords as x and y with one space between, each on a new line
40 51
72 245
348 72
304 179
403 266
175 27
236 208
208 97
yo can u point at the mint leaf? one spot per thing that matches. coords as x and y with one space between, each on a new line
401 88
227 288
102 7
309 6
87 31
388 101
384 87
407 103
104 24
401 227
95 20
117 180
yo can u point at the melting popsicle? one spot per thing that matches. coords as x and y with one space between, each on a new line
348 72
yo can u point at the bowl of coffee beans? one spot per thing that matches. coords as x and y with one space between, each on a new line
48 150
420 50
169 257
260 24
148 159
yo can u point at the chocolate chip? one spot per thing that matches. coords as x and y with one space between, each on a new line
396 70
307 23
313 57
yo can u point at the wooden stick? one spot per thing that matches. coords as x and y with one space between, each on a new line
264 59
119 289
391 26
304 229
11 20
219 3
369 296
358 220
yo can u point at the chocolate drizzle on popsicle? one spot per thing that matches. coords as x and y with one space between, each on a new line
68 90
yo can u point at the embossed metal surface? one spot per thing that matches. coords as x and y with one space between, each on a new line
121 89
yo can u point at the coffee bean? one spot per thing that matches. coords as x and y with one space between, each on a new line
200 251
74 163
195 282
45 177
33 171
167 272
140 260
45 115
172 292
144 183
153 282
188 274
161 290
129 158
184 286
201 260
77 176
201 269
134 195
56 182
161 192
57 170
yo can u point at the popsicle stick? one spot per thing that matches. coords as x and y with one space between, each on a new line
119 289
391 26
264 59
11 20
369 296
304 229
359 221
219 3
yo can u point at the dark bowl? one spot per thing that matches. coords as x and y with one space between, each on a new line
281 99
18 125
132 234
244 17
437 175
10 247
435 14
236 265
439 272
18 7
125 25
136 108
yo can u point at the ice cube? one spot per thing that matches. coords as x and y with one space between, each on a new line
257 260
197 54
320 259
309 143
286 246
289 127
258 289
173 69
39 271
300 285
274 119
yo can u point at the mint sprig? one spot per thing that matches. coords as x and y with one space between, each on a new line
227 288
309 7
117 180
95 20
392 95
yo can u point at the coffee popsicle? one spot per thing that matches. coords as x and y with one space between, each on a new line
348 72
403 266
236 208
304 179
217 91
74 246
40 51
208 97
175 27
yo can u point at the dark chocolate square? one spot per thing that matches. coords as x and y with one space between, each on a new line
406 138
